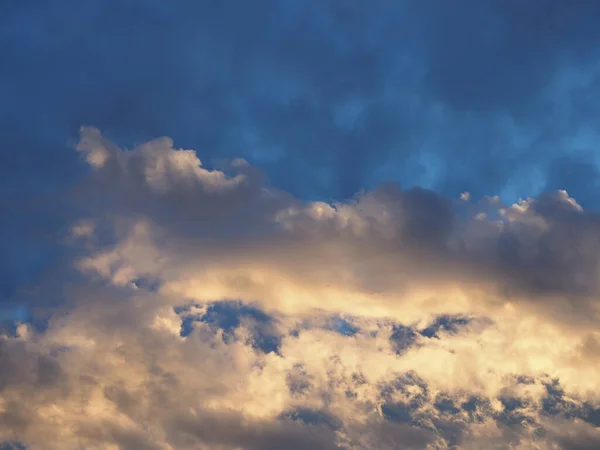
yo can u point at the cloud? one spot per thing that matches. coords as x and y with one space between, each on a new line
212 310
114 372
210 234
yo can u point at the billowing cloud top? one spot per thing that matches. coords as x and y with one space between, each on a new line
205 309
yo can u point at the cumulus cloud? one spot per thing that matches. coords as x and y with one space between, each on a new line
214 311
237 237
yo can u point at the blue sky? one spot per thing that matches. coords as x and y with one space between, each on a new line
327 97
327 101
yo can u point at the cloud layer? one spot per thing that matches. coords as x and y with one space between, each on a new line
205 309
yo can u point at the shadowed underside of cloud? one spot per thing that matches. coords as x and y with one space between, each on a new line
393 319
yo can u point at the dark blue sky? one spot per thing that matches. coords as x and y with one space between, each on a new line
327 97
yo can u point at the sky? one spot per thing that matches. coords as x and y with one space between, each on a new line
333 224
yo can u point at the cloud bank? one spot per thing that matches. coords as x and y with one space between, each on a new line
206 309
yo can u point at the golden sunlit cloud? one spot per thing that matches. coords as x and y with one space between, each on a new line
217 312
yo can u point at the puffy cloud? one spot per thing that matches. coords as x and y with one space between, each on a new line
218 235
115 372
215 311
